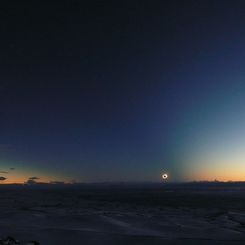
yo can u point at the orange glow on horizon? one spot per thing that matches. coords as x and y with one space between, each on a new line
221 166
222 174
21 178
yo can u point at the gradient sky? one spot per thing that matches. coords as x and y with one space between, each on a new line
109 91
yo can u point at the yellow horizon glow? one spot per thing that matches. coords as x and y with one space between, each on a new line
212 177
22 179
222 170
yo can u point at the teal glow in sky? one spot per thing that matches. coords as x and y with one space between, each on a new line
123 93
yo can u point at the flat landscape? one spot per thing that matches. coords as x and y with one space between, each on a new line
124 214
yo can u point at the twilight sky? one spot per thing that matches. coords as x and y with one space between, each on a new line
109 91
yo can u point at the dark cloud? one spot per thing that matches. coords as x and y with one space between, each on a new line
31 182
3 172
34 178
12 168
2 178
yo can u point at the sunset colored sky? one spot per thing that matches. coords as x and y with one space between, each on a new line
98 92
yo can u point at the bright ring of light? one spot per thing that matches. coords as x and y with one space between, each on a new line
164 176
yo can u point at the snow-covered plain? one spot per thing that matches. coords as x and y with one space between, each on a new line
156 215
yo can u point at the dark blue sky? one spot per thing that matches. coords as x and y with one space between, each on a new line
109 91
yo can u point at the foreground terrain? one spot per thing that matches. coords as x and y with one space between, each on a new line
154 214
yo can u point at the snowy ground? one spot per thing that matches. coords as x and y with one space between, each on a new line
123 216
